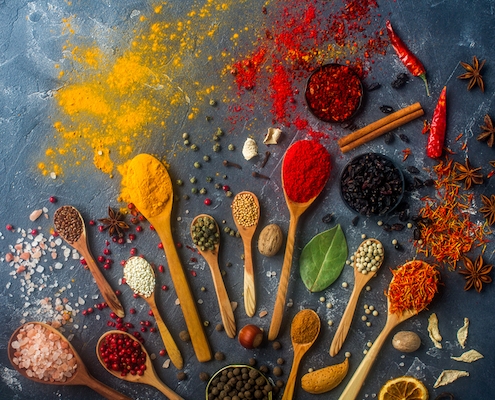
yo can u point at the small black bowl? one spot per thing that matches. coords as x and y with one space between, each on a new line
371 184
334 93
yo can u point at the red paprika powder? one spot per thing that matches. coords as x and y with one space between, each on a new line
305 170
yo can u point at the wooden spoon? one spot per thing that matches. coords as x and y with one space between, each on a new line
149 377
143 191
80 377
295 212
247 233
211 257
300 348
169 342
63 219
360 280
353 387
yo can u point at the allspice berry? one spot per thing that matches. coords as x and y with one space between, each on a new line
184 336
277 371
181 376
219 356
204 376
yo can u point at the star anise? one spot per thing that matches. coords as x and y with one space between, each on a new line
114 223
473 74
488 134
488 209
468 174
476 273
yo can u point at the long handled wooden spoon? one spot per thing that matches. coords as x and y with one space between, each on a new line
246 231
169 342
360 280
304 330
353 387
211 257
70 226
149 377
81 375
152 193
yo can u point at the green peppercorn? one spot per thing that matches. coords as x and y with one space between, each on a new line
185 135
209 179
226 229
186 142
194 190
197 164
232 233
213 102
179 182
217 147
194 147
185 197
228 193
231 147
193 180
224 176
218 186
219 132
202 191
206 158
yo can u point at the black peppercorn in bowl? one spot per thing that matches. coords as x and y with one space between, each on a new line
334 93
371 184
231 380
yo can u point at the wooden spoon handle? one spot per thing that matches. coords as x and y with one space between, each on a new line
278 310
353 387
345 322
169 342
104 390
106 290
224 304
249 287
291 381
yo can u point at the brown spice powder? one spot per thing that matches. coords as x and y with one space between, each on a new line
305 327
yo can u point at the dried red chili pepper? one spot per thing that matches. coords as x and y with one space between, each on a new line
438 126
407 57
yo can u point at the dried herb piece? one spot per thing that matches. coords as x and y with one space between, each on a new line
476 273
468 174
488 209
488 134
473 73
114 223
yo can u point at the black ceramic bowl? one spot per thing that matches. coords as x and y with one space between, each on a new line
371 184
334 93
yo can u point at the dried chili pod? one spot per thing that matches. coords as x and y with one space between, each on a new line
436 137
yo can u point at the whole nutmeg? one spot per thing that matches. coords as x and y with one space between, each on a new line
270 240
406 341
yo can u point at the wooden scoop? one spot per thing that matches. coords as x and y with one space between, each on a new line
149 377
247 233
295 212
300 348
81 245
360 280
211 257
80 377
353 387
143 191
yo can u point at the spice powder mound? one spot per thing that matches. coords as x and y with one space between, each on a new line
305 327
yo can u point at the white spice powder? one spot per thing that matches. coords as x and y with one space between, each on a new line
139 275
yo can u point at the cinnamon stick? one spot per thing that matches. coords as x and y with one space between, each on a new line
378 125
383 129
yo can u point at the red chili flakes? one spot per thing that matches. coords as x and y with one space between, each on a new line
406 153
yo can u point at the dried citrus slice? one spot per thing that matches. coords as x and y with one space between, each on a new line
403 388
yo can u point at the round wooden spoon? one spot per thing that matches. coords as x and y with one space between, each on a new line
80 377
247 233
360 280
143 192
149 377
308 317
211 257
353 387
80 243
169 342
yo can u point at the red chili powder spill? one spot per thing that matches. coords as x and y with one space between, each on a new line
305 170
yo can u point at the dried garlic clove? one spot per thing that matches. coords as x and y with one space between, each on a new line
272 136
35 215
250 149
433 331
462 333
469 356
448 376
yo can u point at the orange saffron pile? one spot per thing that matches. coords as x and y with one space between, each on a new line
447 232
413 286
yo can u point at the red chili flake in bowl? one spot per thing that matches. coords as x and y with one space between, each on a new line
334 93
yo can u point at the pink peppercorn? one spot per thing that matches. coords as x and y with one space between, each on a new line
52 199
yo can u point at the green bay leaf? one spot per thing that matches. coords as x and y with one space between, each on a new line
323 259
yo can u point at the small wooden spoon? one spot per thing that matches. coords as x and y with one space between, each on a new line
149 377
145 166
169 342
247 233
211 257
360 280
81 245
300 348
353 387
80 377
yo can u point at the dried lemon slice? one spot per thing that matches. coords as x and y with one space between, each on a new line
403 388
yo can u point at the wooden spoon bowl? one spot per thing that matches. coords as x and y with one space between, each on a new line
211 257
81 375
149 377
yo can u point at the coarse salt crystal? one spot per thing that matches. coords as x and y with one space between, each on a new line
35 215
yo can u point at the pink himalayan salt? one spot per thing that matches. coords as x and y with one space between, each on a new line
44 354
